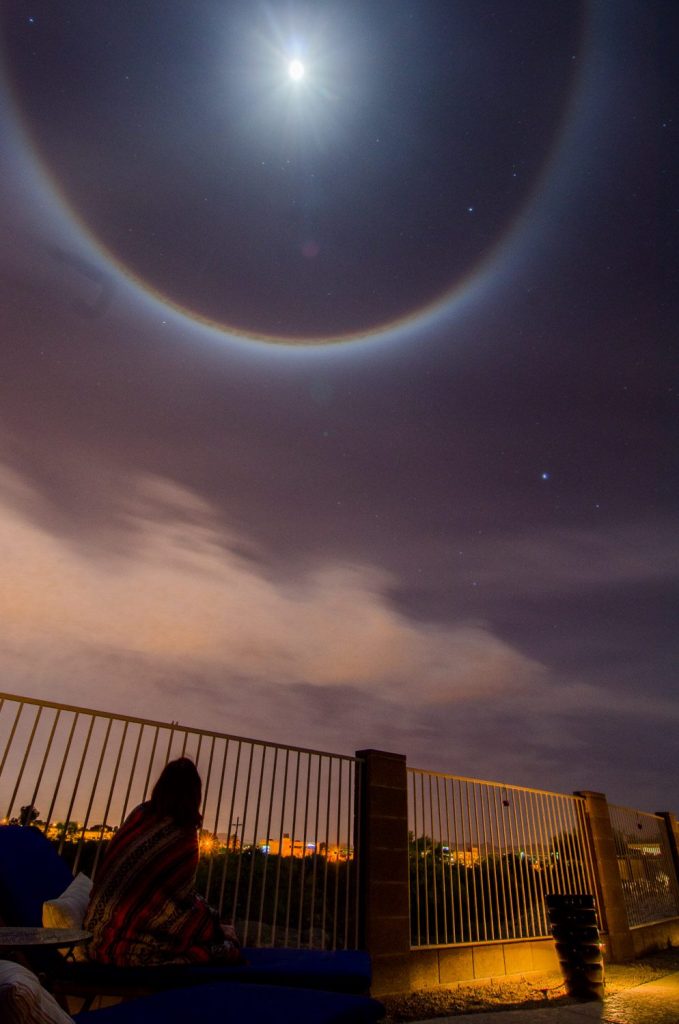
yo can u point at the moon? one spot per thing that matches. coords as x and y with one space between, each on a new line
296 70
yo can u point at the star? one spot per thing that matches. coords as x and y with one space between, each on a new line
545 475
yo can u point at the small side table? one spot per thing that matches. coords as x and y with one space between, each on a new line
15 940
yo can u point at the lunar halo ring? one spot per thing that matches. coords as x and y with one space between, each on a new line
463 293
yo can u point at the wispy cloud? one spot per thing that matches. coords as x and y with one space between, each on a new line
183 595
567 559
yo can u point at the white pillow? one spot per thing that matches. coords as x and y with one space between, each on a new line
68 910
23 1000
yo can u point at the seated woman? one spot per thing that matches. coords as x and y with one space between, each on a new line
144 909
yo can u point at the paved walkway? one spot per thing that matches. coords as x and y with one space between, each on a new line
657 1002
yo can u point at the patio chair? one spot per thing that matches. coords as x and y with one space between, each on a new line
22 998
31 872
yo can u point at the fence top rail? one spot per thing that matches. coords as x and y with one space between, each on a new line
507 786
173 726
633 810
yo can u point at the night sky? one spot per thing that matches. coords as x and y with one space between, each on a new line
341 411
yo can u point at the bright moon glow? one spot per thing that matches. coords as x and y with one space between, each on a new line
296 70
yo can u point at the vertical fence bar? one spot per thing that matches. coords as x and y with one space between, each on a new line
444 894
475 935
170 739
491 864
206 786
305 827
267 840
215 827
434 886
503 916
150 767
314 871
280 849
459 833
239 863
253 852
76 785
92 792
64 760
339 848
543 926
208 883
424 863
480 838
203 811
540 879
451 937
132 771
327 844
579 846
229 843
104 822
561 873
11 737
417 862
48 748
20 776
292 851
526 864
573 860
351 853
556 883
518 869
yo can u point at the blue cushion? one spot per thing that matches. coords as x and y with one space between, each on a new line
256 1004
338 971
31 871
342 970
313 968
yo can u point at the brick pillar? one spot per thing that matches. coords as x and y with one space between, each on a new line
672 826
382 823
620 945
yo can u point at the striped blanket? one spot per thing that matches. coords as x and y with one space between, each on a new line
143 909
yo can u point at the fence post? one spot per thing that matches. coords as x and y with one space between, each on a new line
382 827
614 921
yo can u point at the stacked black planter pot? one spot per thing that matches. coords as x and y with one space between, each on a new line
576 935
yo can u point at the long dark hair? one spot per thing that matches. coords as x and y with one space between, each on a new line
177 793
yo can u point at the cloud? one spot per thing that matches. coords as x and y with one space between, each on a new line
189 599
572 559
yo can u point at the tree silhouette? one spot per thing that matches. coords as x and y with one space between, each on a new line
28 814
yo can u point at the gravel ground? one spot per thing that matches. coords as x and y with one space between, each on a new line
530 992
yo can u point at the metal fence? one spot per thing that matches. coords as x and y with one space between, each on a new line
278 851
649 883
484 855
